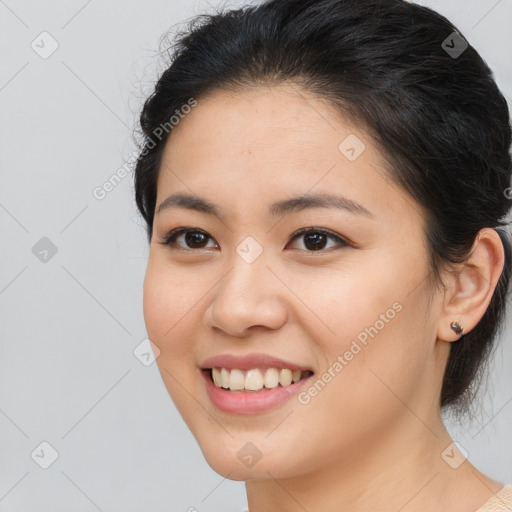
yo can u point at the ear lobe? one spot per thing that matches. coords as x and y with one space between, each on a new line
471 287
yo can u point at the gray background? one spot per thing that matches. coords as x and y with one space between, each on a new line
69 325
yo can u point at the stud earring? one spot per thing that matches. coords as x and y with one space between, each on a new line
457 328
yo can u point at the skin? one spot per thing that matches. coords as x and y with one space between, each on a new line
372 439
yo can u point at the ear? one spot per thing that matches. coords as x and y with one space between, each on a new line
470 288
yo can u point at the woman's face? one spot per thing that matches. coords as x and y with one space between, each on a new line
347 301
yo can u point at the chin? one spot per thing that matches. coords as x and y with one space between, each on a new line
232 469
241 460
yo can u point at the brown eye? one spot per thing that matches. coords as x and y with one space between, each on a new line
192 238
315 239
195 239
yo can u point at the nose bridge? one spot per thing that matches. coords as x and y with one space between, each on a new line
246 296
247 278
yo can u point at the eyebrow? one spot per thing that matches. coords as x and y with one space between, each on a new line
282 207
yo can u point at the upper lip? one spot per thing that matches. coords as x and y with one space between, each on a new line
250 361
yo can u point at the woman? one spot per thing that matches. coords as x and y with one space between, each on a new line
325 185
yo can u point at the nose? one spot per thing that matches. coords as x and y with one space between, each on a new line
248 297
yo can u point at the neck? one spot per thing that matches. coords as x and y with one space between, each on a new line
400 470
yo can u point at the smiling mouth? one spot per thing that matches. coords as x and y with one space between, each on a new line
255 380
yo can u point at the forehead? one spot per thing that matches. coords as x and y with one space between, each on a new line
266 120
255 143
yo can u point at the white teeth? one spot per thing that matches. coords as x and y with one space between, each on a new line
296 375
271 378
254 379
224 378
285 377
236 379
216 377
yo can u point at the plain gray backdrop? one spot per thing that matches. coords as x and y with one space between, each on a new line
73 394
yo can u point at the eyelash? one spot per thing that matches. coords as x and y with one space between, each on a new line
170 239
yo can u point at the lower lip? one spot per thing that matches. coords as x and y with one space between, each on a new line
250 402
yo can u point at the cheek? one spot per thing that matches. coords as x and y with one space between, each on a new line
168 309
378 334
372 369
169 318
344 303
